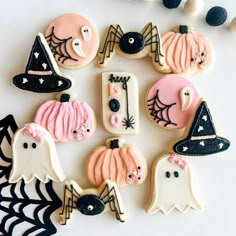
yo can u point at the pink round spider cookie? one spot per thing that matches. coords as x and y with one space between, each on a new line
171 101
73 40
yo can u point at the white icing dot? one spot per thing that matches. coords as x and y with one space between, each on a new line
60 83
221 145
131 40
36 54
202 143
185 149
44 66
41 80
200 128
90 207
24 80
204 118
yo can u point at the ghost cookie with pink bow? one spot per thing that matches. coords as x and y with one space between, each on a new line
171 186
73 40
35 156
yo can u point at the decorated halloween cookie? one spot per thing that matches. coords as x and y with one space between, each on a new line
133 45
121 163
171 186
120 103
73 40
24 210
200 138
171 101
185 51
66 120
42 74
34 156
92 201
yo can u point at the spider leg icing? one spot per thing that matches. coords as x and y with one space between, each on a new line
153 38
71 195
113 36
111 195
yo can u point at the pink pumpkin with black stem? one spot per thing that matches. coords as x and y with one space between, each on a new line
66 120
185 51
121 163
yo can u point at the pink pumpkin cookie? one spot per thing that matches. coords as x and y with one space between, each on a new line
171 101
66 120
121 163
73 40
185 51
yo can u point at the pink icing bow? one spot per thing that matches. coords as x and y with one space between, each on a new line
176 160
35 133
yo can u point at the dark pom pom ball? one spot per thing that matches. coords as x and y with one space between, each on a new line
216 16
171 3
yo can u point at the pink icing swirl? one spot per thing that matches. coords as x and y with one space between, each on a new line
35 133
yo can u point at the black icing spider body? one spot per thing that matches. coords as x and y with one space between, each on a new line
92 201
132 45
90 205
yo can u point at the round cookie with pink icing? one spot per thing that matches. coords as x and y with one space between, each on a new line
171 101
185 51
66 120
73 40
121 163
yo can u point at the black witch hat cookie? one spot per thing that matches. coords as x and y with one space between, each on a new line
201 138
42 74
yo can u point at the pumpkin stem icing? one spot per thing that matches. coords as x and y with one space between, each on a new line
65 97
183 29
114 143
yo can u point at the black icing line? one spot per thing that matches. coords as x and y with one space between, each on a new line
158 115
59 47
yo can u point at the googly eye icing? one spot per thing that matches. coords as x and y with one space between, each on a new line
131 40
90 207
86 32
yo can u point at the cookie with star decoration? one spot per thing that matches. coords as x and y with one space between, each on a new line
200 136
42 74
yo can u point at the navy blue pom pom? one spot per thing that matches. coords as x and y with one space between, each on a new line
216 16
171 3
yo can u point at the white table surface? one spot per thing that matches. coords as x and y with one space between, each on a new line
214 176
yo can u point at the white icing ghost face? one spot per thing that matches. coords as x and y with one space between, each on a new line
120 103
172 187
34 156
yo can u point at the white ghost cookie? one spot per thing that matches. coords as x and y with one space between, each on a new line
35 156
171 186
120 103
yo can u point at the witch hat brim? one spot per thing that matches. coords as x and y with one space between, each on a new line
201 138
42 74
